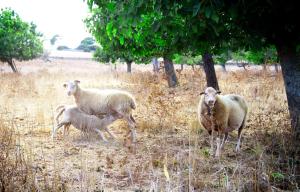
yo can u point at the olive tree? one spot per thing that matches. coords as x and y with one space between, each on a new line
19 40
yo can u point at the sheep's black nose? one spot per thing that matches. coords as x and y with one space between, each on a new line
210 102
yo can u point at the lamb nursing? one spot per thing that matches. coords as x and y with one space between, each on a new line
104 102
222 114
72 115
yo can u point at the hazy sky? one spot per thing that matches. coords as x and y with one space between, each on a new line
62 17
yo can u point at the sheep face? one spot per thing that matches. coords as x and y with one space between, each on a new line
210 96
71 87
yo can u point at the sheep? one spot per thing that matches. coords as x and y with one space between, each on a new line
223 114
82 121
107 101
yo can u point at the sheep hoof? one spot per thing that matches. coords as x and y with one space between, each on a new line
237 149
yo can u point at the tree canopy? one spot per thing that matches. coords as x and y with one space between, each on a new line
148 28
19 40
54 39
87 45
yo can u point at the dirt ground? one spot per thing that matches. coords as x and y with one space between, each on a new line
171 153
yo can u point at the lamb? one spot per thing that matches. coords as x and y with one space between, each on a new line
223 114
82 121
107 101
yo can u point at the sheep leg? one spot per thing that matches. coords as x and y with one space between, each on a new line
218 151
132 119
66 129
238 148
131 124
224 140
211 151
101 135
56 128
110 133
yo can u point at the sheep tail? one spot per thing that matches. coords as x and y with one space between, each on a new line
61 109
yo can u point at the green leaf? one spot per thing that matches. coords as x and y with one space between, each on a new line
196 9
111 7
114 32
215 17
156 26
109 27
122 40
207 12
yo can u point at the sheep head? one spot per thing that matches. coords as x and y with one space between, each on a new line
72 87
210 96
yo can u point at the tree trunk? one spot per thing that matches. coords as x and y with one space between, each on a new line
290 65
128 66
209 69
155 65
170 72
193 67
223 67
244 66
276 67
12 64
181 67
265 67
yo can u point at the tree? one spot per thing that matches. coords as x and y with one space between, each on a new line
222 58
54 39
87 45
255 19
62 48
122 32
113 55
19 40
151 28
189 60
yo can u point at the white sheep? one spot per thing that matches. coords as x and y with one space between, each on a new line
223 114
72 115
108 101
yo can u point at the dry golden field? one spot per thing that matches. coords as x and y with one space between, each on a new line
171 153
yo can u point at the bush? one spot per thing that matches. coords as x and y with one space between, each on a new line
62 47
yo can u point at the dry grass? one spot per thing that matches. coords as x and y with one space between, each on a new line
172 149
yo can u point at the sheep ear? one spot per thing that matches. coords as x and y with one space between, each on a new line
76 81
201 93
64 85
219 92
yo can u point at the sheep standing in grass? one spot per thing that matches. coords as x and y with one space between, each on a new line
72 115
107 101
223 114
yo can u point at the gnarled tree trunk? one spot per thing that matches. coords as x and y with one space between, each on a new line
264 67
209 69
155 65
170 72
276 67
193 67
12 64
290 65
128 63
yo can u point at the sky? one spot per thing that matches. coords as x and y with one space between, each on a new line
62 17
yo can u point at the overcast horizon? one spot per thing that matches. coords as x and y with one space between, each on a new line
62 17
